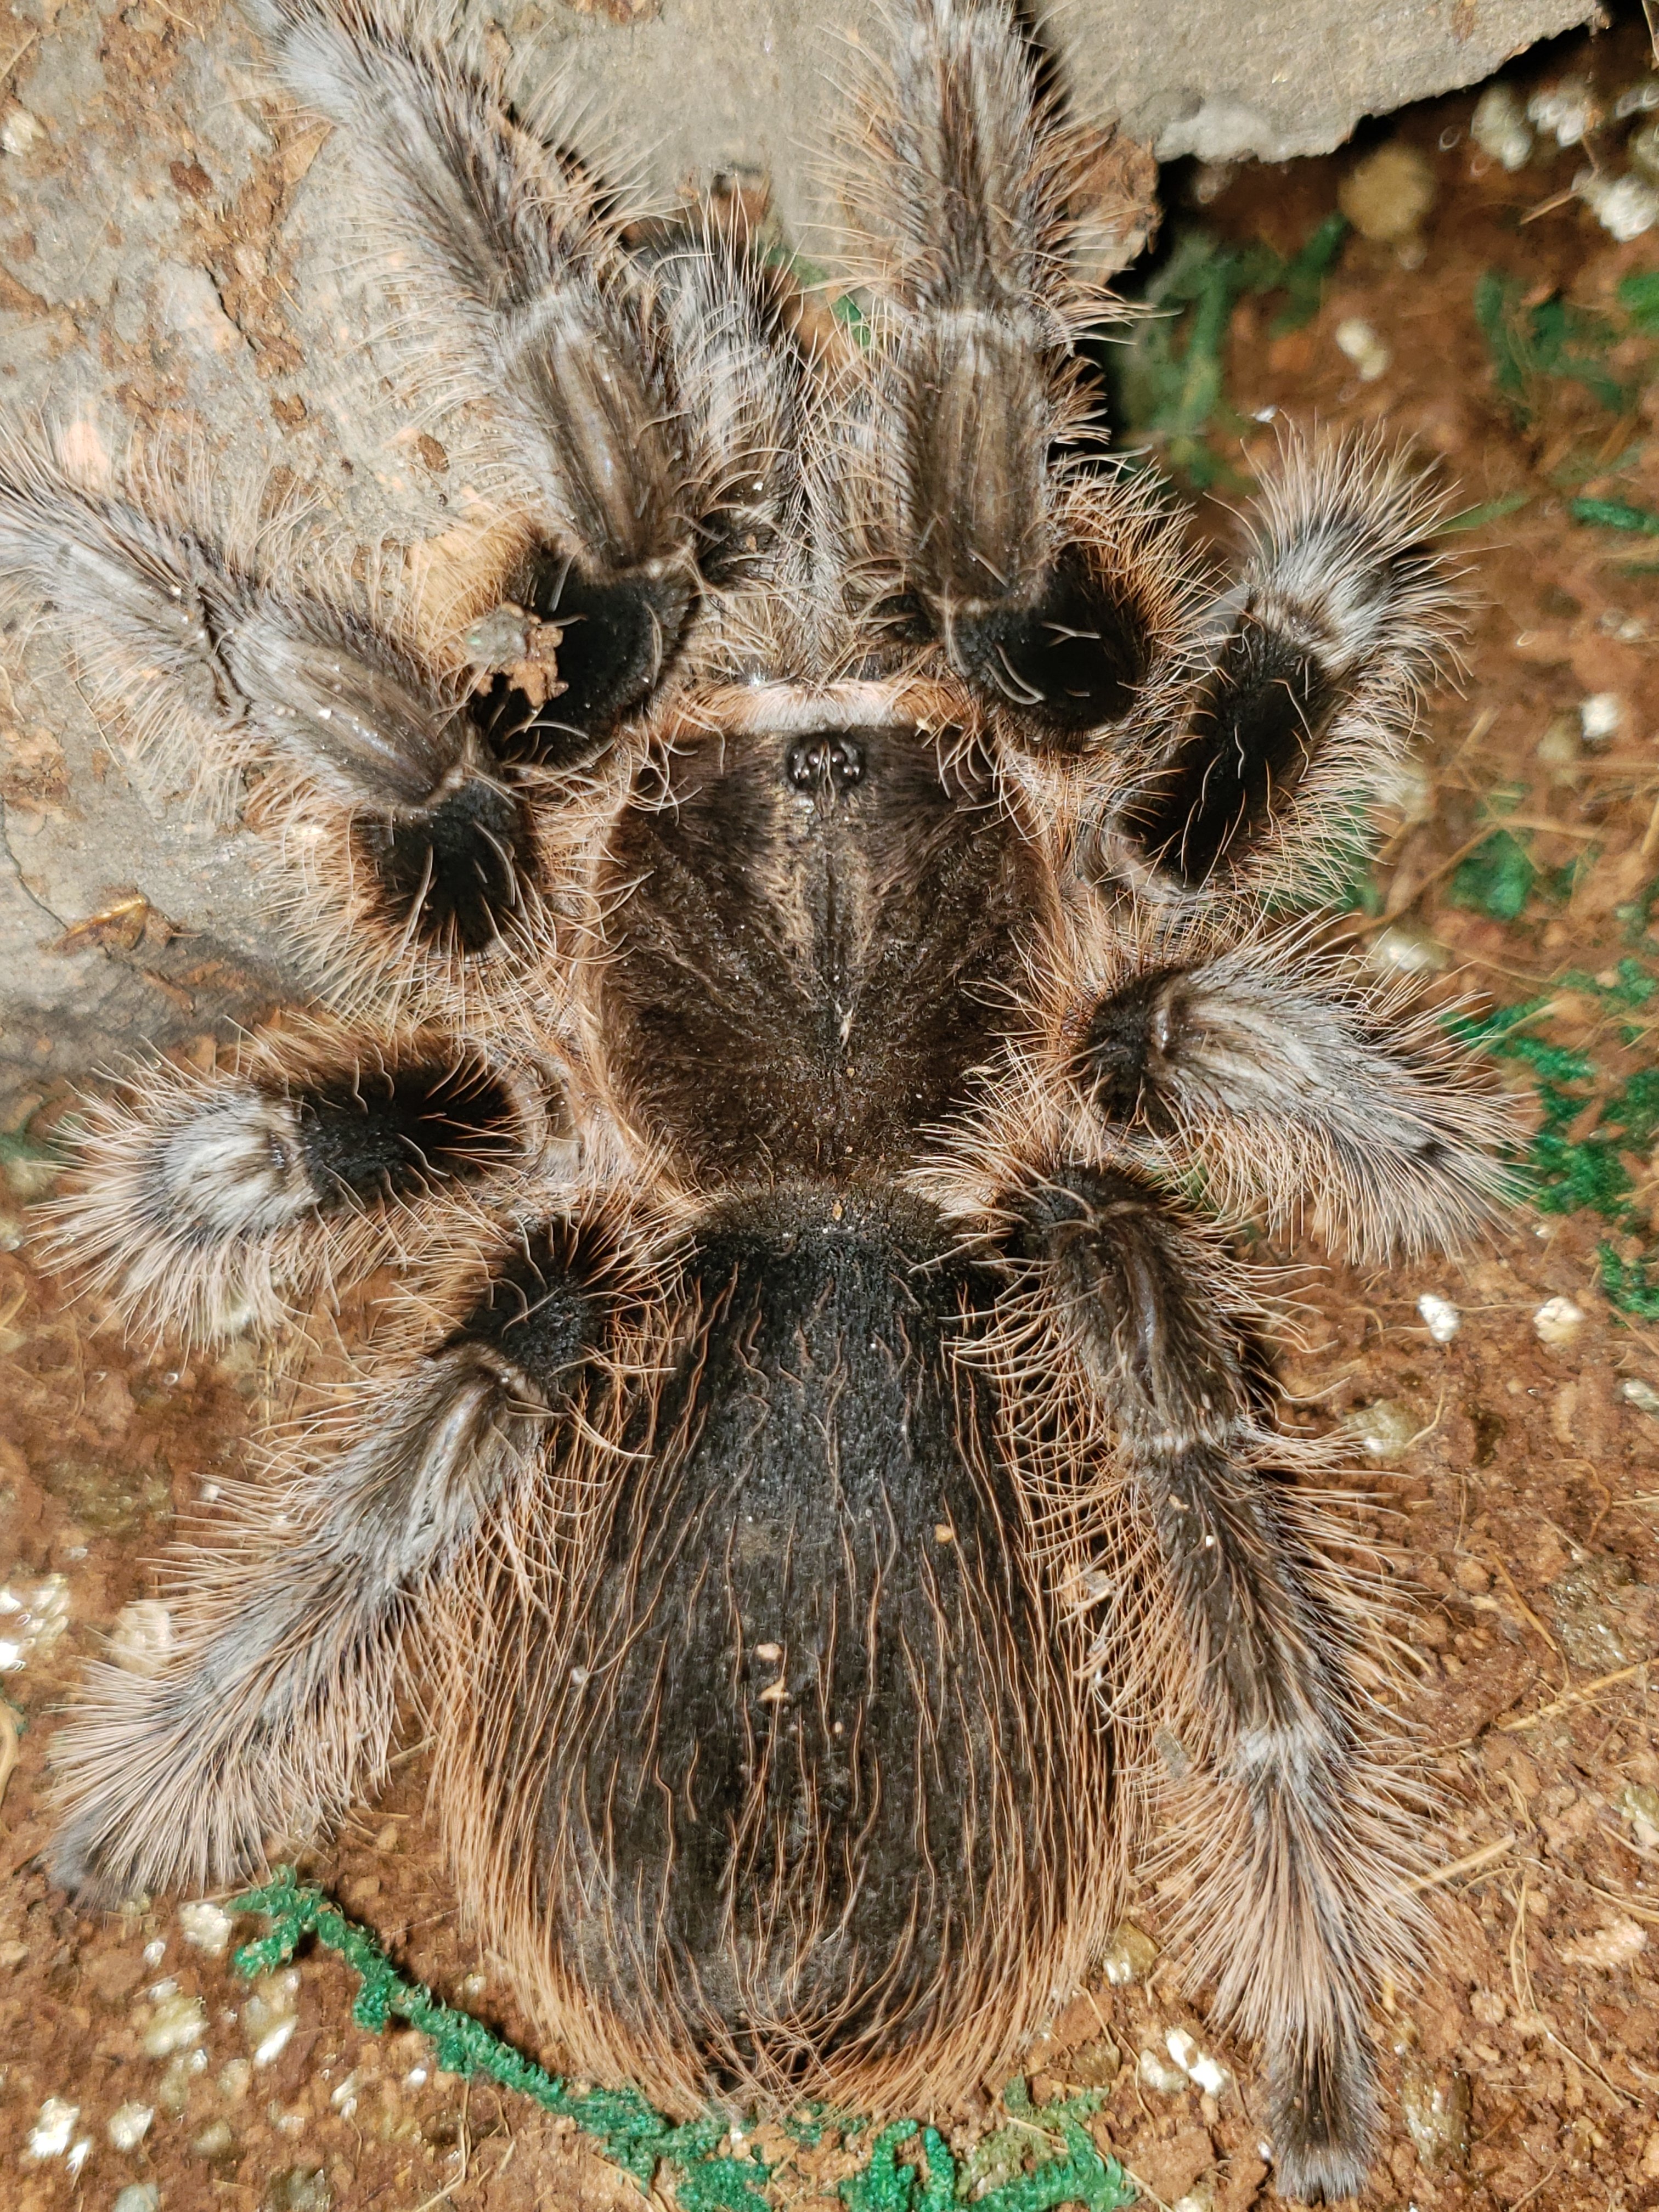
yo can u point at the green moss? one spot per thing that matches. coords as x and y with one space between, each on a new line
1549 342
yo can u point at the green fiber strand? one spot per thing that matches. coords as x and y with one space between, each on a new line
629 2131
1615 514
1497 879
636 2138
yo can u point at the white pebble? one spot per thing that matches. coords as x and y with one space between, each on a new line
1559 1321
1383 1430
35 1615
270 2047
1440 1317
138 2197
1190 2056
142 1636
20 132
1624 206
207 1925
1566 110
77 2155
1363 347
177 2023
1406 949
50 2135
1157 2073
1498 127
1600 716
129 2125
1642 1396
1608 1948
156 1950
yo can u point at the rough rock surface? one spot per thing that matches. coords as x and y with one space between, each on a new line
171 266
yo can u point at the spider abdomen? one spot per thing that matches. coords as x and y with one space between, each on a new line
806 1768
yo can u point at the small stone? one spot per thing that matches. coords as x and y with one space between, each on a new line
138 2197
1201 2197
20 132
1437 2110
1388 196
1094 2066
1500 128
1562 743
1161 2074
1383 1430
1589 1610
1601 717
1469 1574
142 1637
32 1616
1440 1316
54 2126
1487 2006
1363 347
1208 2072
497 638
1642 152
216 2140
129 2125
1129 1956
1608 1947
1559 1321
1567 110
1626 207
1641 1396
298 2189
1407 948
236 2078
177 2022
1638 1803
206 1925
173 2090
270 2015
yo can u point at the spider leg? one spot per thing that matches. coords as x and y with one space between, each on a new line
649 402
278 1700
412 846
1051 591
1302 1908
202 1204
1306 695
1291 1086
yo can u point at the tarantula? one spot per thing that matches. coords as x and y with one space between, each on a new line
803 1012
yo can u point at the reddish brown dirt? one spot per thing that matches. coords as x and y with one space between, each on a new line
1525 1499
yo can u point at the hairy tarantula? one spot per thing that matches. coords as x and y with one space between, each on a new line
794 961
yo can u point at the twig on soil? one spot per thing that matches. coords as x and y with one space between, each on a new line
1468 1864
1577 1697
7 1745
1537 2185
1527 1611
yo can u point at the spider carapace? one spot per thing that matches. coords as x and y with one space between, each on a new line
815 961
